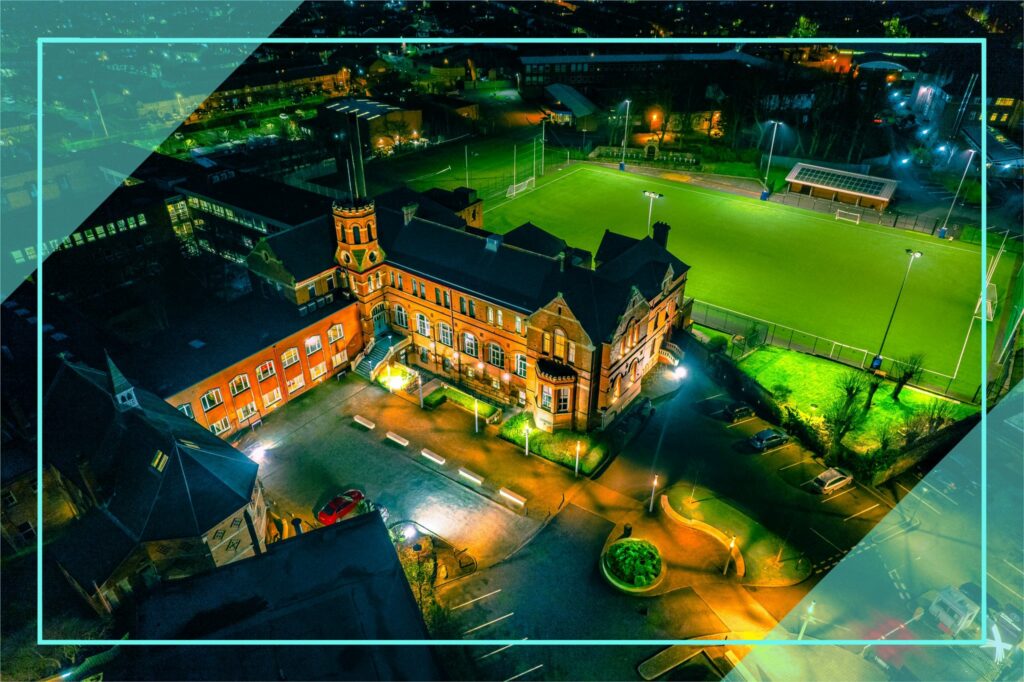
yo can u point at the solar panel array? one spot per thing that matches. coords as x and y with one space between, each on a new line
841 181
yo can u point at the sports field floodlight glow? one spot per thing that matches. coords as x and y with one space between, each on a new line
942 148
912 256
650 209
963 177
905 160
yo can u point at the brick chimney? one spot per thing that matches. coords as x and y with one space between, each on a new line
659 233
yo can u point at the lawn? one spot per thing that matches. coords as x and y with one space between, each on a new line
812 381
559 447
794 267
463 400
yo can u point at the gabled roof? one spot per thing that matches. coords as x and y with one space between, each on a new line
203 481
306 251
427 207
282 204
612 244
532 238
92 548
572 98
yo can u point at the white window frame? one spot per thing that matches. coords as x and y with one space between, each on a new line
317 371
496 352
444 334
563 393
401 317
186 409
296 383
521 365
220 426
313 344
272 398
247 411
422 325
243 387
289 357
210 404
262 373
339 358
546 398
469 345
335 333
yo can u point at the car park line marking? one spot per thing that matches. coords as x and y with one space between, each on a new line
490 622
1013 567
483 596
777 447
862 511
805 459
871 490
829 541
497 651
832 497
516 677
742 421
997 580
712 397
934 489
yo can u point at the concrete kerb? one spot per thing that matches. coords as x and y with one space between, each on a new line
737 555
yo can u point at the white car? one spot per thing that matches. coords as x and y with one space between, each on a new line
831 480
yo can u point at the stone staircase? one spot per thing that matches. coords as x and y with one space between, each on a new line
376 356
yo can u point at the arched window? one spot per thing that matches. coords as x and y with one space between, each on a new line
521 365
422 325
496 355
469 345
634 371
444 334
370 234
355 235
546 343
401 319
559 344
617 388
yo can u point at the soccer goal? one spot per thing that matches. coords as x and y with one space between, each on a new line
848 215
528 183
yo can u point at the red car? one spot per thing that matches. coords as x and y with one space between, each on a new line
340 507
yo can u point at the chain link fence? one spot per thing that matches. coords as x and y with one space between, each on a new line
749 332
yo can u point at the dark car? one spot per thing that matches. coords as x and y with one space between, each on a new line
735 412
340 507
768 439
973 592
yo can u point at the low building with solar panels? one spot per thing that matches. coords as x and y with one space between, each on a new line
855 189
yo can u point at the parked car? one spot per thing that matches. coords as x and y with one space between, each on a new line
340 507
973 592
831 480
768 439
735 412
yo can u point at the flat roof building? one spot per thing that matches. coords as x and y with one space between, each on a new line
839 185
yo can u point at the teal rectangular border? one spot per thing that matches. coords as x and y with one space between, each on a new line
42 641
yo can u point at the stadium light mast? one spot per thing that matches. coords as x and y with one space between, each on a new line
914 255
625 136
650 209
957 194
771 150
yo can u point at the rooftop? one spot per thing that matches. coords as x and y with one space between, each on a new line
275 201
363 108
725 56
572 98
843 181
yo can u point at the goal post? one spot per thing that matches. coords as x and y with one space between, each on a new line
513 190
848 216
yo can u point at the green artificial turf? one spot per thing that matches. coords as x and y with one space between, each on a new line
794 267
812 381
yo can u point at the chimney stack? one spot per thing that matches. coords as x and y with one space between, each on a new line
659 233
409 212
561 261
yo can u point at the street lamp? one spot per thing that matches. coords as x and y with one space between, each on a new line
962 178
577 473
650 209
913 255
625 135
654 486
771 150
806 618
526 432
728 559
680 372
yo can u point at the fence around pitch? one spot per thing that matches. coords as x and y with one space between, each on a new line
781 336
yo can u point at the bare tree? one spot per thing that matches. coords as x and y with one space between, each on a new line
874 383
840 418
938 412
852 383
906 369
885 434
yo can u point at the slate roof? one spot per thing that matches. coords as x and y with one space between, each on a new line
92 548
204 481
342 581
428 208
572 98
275 201
457 199
532 238
308 250
612 244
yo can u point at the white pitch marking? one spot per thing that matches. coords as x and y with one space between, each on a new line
828 541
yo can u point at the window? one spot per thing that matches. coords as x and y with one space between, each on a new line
233 545
462 305
246 411
27 532
9 499
519 325
289 357
1004 102
236 522
312 290
563 400
423 290
265 371
318 371
296 383
634 371
339 359
444 334
545 398
313 345
501 322
469 345
422 325
391 278
572 353
186 409
1002 119
335 333
239 384
496 355
437 296
470 373
447 300
546 344
991 118
219 535
220 427
472 308
559 344
211 399
490 315
271 398
521 365
424 354
401 319
400 285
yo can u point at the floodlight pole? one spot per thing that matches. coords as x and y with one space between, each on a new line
625 136
543 142
467 165
957 194
768 168
877 361
650 209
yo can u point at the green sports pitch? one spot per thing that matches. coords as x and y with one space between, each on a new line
800 269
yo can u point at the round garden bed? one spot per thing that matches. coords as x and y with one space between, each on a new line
633 565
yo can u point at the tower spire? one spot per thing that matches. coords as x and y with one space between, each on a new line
120 388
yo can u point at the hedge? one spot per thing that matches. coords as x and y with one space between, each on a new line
463 400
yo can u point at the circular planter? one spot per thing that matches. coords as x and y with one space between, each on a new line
622 585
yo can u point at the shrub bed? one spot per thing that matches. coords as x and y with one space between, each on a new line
463 400
635 562
558 447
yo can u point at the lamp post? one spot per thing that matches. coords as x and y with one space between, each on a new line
577 474
476 416
654 486
650 208
914 255
419 377
957 194
806 618
625 136
526 432
771 150
728 559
